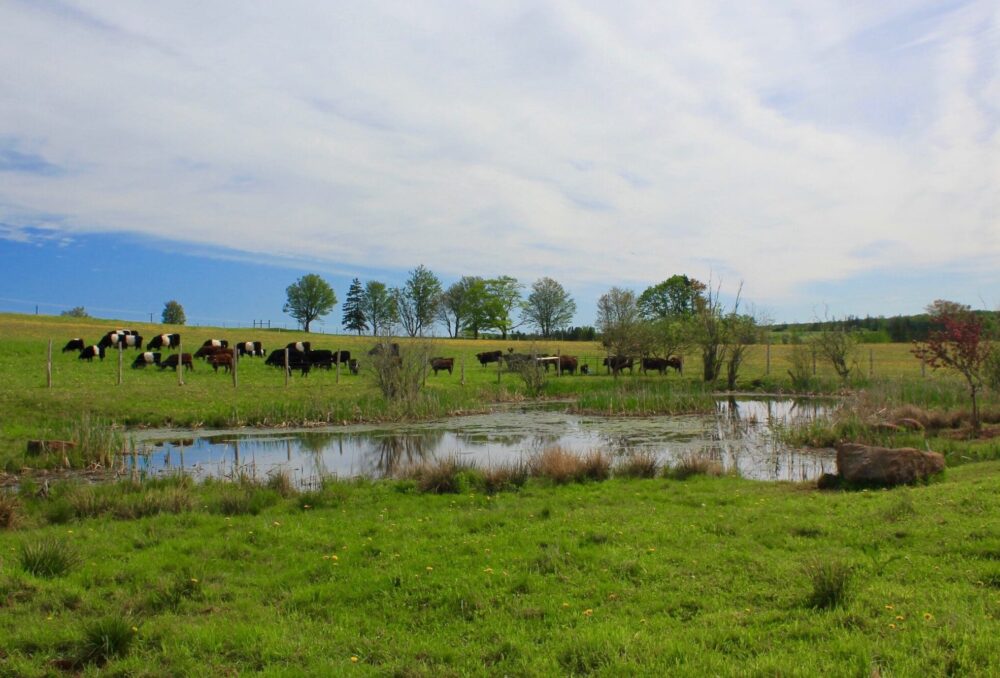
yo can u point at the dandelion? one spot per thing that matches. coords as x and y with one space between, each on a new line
135 629
892 626
430 569
354 659
900 617
928 616
565 605
889 607
588 612
488 570
193 580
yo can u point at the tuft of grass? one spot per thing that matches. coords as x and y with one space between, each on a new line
105 639
10 510
445 476
831 581
48 557
281 482
641 464
505 477
557 464
693 465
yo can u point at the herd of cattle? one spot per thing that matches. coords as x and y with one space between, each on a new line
299 355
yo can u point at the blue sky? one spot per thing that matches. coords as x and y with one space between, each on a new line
834 158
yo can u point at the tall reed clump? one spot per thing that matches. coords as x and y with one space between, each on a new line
830 580
48 557
639 464
445 476
693 465
562 466
97 442
505 477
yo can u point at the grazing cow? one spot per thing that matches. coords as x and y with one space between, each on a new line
75 344
442 364
300 346
321 357
251 348
164 341
126 332
91 352
224 343
618 363
342 357
145 359
170 362
568 363
221 359
297 360
487 357
661 364
206 351
119 339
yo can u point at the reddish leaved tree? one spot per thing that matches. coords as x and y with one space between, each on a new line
958 344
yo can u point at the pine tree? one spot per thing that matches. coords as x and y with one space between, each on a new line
354 314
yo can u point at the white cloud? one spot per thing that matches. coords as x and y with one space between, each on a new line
595 143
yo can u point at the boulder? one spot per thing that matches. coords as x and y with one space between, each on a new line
883 466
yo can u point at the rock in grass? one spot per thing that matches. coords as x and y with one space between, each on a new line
865 465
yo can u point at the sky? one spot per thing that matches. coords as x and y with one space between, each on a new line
826 158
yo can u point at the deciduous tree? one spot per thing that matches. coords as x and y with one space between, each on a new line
173 313
379 308
309 298
549 306
417 301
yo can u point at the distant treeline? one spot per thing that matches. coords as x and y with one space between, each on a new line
897 328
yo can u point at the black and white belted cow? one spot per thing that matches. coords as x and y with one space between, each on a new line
218 343
91 352
118 339
251 348
146 359
164 341
300 346
74 344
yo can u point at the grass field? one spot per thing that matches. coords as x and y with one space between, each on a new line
708 576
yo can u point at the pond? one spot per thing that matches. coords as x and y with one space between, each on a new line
741 435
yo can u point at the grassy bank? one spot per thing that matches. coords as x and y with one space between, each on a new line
709 576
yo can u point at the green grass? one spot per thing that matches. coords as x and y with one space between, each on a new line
711 576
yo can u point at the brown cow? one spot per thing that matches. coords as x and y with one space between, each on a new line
171 361
221 359
209 350
662 364
442 364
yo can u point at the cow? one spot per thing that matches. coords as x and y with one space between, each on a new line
206 351
618 363
75 344
567 363
321 357
121 340
487 357
297 360
300 346
164 341
146 358
171 361
661 364
442 364
125 332
251 348
91 352
221 359
223 343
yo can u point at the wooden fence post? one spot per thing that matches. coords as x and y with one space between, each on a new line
48 367
558 362
286 367
236 359
499 364
337 353
814 361
871 362
462 367
180 363
119 364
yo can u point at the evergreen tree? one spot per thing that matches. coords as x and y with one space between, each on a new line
354 314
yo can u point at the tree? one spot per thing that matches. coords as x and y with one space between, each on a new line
742 332
548 307
462 306
958 344
173 313
354 315
709 332
76 312
620 323
417 302
503 295
378 307
309 298
675 297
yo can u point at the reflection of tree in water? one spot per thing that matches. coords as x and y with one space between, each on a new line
388 452
317 442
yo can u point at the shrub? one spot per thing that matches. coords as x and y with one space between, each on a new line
445 476
830 581
596 465
693 465
105 639
48 558
10 510
505 477
641 464
558 465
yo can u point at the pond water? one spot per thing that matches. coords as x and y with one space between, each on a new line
740 435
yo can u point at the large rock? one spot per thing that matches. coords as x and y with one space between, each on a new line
864 465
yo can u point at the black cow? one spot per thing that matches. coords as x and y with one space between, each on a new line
487 357
617 363
170 362
75 344
164 341
297 360
218 343
321 357
442 364
91 352
145 359
300 346
251 348
662 364
121 340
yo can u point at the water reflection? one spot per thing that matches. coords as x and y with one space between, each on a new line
741 436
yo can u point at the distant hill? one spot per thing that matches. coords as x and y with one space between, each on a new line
897 328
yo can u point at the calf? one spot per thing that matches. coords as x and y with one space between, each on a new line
442 364
75 344
222 359
353 365
170 362
91 352
164 341
487 357
145 359
251 348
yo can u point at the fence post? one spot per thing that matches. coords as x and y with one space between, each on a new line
286 367
48 367
180 364
559 362
767 364
499 363
923 368
337 353
119 364
871 361
814 360
236 360
462 367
